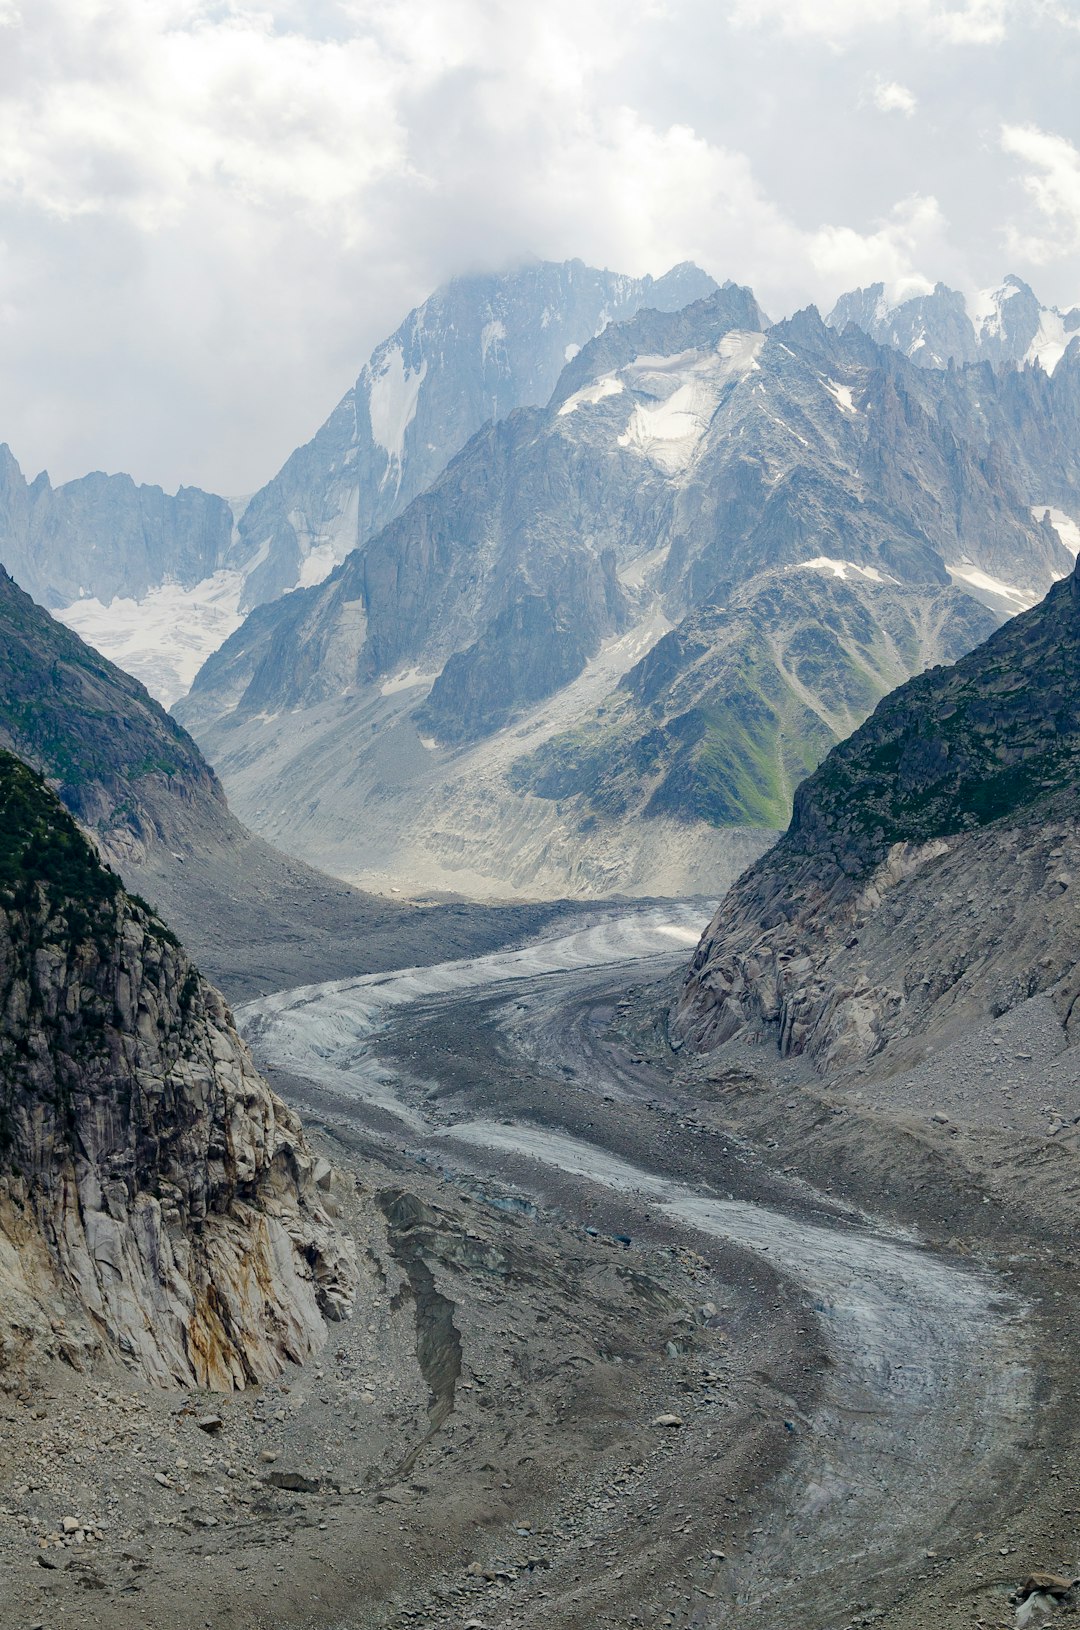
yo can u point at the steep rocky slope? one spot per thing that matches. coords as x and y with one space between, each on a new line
103 536
459 678
476 350
1005 324
122 765
727 713
928 875
158 1205
253 917
158 581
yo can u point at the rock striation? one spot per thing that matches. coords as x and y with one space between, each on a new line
159 1206
929 873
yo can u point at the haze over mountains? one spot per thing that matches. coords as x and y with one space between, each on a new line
600 650
1004 324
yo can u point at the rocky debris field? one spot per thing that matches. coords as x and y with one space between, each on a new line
643 1341
529 1397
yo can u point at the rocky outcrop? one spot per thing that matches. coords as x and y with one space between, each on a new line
159 1206
929 871
103 536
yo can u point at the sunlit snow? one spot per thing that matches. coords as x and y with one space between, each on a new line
842 394
685 391
843 568
589 395
975 578
392 397
165 638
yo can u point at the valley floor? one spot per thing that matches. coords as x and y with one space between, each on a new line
641 1341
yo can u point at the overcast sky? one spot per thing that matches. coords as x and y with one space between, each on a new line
211 211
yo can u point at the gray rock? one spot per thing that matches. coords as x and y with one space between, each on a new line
293 1482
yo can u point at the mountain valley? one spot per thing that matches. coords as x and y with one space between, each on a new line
690 1241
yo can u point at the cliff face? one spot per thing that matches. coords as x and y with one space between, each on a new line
928 872
158 1204
121 764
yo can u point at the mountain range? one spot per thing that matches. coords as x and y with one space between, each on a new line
157 582
607 548
796 518
1004 324
155 811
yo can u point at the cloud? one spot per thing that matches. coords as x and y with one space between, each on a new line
889 97
912 235
1053 185
210 210
972 22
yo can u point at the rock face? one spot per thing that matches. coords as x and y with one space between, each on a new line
478 349
687 464
157 1201
728 712
929 870
103 536
122 765
1006 324
158 581
252 916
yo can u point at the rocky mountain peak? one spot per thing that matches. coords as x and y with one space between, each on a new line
1004 324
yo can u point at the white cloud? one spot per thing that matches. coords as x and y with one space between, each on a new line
912 236
1053 185
211 209
889 97
974 22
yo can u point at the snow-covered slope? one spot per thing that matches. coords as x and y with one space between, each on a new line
477 349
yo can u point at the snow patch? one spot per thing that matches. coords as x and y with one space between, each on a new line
842 394
842 569
392 398
1050 342
589 395
1066 528
984 309
684 392
408 679
492 332
163 639
975 578
316 565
